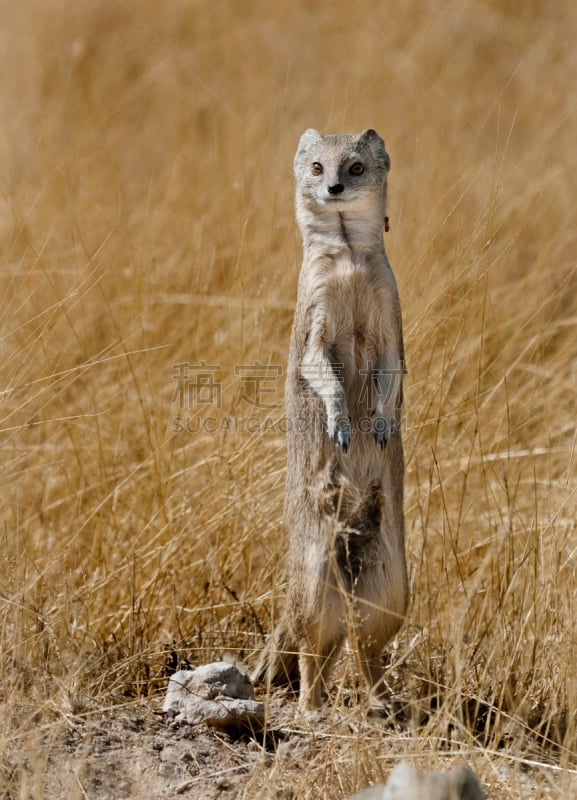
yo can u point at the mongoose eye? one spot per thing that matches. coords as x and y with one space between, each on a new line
356 168
317 168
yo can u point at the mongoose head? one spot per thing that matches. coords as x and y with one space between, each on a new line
342 173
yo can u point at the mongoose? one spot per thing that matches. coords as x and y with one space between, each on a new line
347 574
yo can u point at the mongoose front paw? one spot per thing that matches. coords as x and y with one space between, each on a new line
339 430
383 429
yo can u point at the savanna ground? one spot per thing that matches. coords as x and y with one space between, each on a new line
146 222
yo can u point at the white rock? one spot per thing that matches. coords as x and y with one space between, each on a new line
218 694
407 783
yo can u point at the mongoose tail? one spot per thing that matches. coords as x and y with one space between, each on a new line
277 664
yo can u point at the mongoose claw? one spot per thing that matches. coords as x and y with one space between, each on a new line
340 432
383 429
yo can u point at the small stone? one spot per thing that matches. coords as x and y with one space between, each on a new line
407 783
210 681
217 694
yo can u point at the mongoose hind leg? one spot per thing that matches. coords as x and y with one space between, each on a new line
315 669
372 636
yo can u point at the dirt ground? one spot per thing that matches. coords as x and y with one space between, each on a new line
132 754
138 753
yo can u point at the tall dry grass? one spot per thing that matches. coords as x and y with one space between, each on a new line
146 221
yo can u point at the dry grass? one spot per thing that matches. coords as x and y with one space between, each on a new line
146 220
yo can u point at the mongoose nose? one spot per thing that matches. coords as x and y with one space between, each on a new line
336 189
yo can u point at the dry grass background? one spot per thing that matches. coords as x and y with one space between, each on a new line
146 220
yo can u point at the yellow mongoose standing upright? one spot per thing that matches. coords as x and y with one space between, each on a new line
347 574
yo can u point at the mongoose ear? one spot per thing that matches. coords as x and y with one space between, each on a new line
371 138
309 136
370 135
